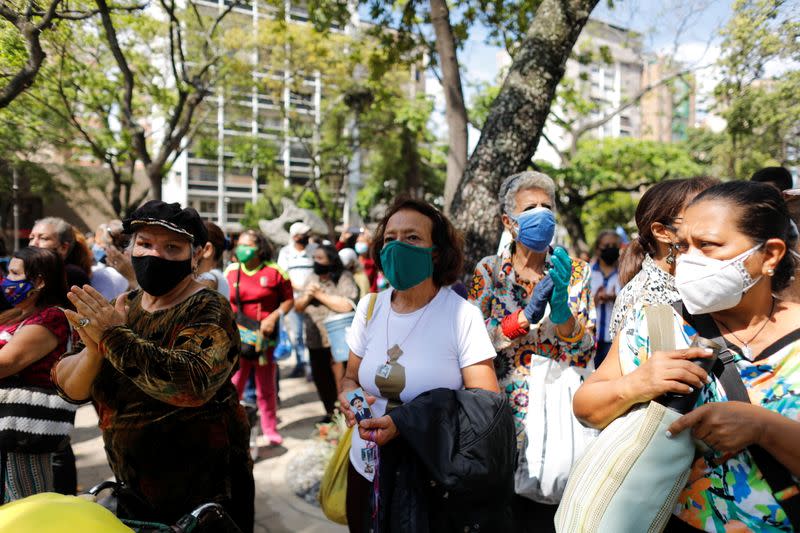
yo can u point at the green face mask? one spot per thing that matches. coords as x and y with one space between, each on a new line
406 266
245 253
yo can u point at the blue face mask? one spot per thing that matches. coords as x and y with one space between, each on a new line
15 291
535 228
362 248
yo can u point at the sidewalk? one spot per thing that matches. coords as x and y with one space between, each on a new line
278 510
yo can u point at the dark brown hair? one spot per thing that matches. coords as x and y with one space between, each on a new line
264 249
217 239
762 214
662 202
44 264
80 255
448 257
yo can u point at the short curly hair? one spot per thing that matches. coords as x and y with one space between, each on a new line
448 259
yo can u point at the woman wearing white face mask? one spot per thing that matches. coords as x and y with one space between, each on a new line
735 238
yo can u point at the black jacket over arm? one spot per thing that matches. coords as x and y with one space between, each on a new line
452 467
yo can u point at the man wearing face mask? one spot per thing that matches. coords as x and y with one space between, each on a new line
536 302
605 286
157 365
297 260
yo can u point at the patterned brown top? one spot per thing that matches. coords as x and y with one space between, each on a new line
316 312
173 428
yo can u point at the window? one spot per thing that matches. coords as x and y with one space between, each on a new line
206 173
236 207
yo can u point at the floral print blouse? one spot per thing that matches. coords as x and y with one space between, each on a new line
649 287
729 495
497 291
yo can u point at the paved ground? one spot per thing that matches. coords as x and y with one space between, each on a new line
278 510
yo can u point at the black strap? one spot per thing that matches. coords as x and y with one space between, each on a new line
775 474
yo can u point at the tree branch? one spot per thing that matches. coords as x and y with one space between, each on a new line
615 188
589 126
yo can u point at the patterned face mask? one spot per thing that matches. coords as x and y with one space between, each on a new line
15 291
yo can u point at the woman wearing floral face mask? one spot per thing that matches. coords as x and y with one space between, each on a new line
735 240
259 293
513 290
420 336
33 334
157 365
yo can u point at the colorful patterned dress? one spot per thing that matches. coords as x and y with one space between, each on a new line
497 291
649 286
731 496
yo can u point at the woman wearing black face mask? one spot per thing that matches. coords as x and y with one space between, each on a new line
157 364
605 285
329 290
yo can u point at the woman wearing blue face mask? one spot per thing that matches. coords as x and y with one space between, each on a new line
514 289
420 336
735 241
33 334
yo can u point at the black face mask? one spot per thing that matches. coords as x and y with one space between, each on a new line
157 276
321 270
609 255
302 240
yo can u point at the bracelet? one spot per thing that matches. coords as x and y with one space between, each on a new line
576 336
511 328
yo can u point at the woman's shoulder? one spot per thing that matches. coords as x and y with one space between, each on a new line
47 315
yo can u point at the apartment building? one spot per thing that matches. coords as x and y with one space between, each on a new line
668 110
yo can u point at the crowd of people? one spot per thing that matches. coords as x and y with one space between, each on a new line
146 321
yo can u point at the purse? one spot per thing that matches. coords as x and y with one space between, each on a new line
333 487
555 438
34 419
253 341
630 477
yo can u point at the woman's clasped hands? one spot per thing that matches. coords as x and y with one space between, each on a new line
94 315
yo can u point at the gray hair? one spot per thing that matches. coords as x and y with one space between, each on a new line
522 182
62 228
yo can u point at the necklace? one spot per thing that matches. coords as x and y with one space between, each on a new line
395 352
746 351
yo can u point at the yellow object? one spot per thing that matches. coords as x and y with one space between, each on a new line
55 513
333 487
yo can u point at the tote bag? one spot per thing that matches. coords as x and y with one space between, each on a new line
630 477
555 439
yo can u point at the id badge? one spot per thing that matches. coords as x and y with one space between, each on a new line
384 371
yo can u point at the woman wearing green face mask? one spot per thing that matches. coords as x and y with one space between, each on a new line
259 293
420 336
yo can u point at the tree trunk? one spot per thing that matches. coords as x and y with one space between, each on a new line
571 219
455 110
156 179
413 177
515 122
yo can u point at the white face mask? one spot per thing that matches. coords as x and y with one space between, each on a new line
709 285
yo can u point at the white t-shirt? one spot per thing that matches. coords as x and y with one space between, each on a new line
298 264
217 277
107 281
448 334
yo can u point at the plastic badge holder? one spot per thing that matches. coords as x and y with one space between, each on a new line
683 403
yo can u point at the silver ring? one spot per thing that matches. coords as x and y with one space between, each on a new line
83 322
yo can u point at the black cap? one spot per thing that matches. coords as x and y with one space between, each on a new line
157 213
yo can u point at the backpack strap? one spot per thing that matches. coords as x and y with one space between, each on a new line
373 296
780 480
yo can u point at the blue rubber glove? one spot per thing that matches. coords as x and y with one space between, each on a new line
561 274
534 311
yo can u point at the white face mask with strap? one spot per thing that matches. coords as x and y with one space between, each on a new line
709 285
